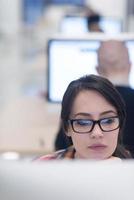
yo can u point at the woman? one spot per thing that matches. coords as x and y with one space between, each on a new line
93 115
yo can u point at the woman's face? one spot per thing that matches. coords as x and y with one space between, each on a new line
97 144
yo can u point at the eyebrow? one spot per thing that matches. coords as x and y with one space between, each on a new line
101 114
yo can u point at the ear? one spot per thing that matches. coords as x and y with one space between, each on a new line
68 132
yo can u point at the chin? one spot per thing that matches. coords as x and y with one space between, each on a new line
98 157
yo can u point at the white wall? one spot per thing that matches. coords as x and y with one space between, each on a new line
10 16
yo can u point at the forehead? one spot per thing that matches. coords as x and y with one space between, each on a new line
92 102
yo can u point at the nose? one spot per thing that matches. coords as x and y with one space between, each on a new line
96 132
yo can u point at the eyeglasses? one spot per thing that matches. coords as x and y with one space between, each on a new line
86 125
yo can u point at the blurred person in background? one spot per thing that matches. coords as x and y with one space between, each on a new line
114 64
93 20
93 23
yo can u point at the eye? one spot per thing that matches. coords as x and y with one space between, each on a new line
83 122
108 121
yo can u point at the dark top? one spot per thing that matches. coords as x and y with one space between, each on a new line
128 95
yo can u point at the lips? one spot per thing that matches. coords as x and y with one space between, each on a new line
97 147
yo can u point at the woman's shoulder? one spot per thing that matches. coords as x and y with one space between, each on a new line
60 154
53 156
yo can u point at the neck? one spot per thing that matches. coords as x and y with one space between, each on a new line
119 80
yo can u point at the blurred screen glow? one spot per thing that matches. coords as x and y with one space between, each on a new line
78 24
71 59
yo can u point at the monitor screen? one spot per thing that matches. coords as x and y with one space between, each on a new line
111 25
79 24
63 68
70 59
73 24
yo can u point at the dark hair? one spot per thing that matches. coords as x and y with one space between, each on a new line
93 19
108 91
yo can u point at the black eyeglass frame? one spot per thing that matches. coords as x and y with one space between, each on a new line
71 121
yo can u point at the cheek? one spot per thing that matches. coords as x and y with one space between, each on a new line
113 139
79 140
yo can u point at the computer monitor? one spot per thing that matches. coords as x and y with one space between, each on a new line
74 24
69 59
79 24
111 25
67 180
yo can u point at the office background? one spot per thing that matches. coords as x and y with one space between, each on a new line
28 122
